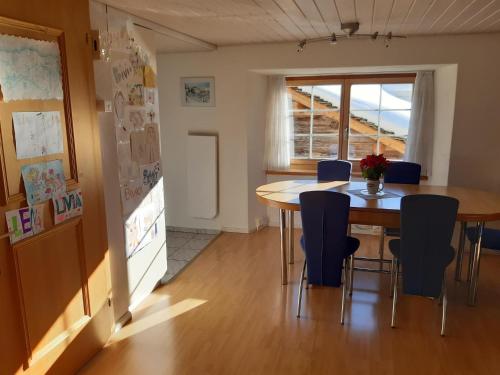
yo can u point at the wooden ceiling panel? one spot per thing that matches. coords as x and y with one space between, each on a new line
330 15
382 14
444 12
281 17
417 11
400 13
433 12
311 12
293 11
346 10
490 23
228 22
487 13
469 11
364 10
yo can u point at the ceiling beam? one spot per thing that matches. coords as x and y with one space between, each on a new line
166 31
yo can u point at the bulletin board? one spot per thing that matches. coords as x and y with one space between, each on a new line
11 183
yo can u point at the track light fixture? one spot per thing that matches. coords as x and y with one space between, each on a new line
349 28
350 32
388 39
333 39
301 46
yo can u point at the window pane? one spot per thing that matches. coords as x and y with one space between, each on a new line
301 122
327 97
299 97
360 146
326 122
395 123
363 122
301 146
396 96
325 147
393 148
387 106
365 97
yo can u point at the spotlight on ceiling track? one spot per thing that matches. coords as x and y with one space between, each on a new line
388 39
301 46
349 33
333 39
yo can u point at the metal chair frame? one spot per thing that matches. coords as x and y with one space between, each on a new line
443 299
347 285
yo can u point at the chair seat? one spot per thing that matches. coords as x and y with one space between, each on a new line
394 247
352 245
490 240
392 232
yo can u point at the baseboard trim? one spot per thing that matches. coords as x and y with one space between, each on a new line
238 230
123 321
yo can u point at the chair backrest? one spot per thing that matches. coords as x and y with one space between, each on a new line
334 170
324 224
402 172
427 223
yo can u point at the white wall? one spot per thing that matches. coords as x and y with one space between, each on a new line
445 85
240 94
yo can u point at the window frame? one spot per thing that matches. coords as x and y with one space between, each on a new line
346 82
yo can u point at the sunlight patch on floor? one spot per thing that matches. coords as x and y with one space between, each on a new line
154 319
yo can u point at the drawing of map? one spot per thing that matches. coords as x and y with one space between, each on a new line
37 134
29 69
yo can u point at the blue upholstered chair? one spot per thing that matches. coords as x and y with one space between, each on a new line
424 249
402 172
490 240
325 242
334 170
398 172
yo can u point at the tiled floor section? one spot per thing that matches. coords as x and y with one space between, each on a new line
182 248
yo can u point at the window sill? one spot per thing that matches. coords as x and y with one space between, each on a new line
290 172
306 172
299 172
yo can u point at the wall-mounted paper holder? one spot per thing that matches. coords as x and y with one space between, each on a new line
5 235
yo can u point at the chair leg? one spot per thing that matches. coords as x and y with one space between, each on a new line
460 253
300 289
445 306
351 272
381 249
471 259
344 287
395 295
391 286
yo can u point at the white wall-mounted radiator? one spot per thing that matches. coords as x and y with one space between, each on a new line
202 176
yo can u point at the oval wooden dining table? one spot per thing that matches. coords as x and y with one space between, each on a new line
475 206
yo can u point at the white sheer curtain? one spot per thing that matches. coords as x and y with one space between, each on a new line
277 124
421 133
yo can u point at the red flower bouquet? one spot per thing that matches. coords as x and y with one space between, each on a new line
373 166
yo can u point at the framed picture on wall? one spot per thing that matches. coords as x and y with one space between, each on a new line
198 91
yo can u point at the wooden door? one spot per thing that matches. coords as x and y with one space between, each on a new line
55 307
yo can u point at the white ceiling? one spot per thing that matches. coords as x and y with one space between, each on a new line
228 22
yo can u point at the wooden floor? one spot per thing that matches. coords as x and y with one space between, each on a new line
228 314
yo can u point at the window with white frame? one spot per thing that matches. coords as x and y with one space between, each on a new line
349 118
